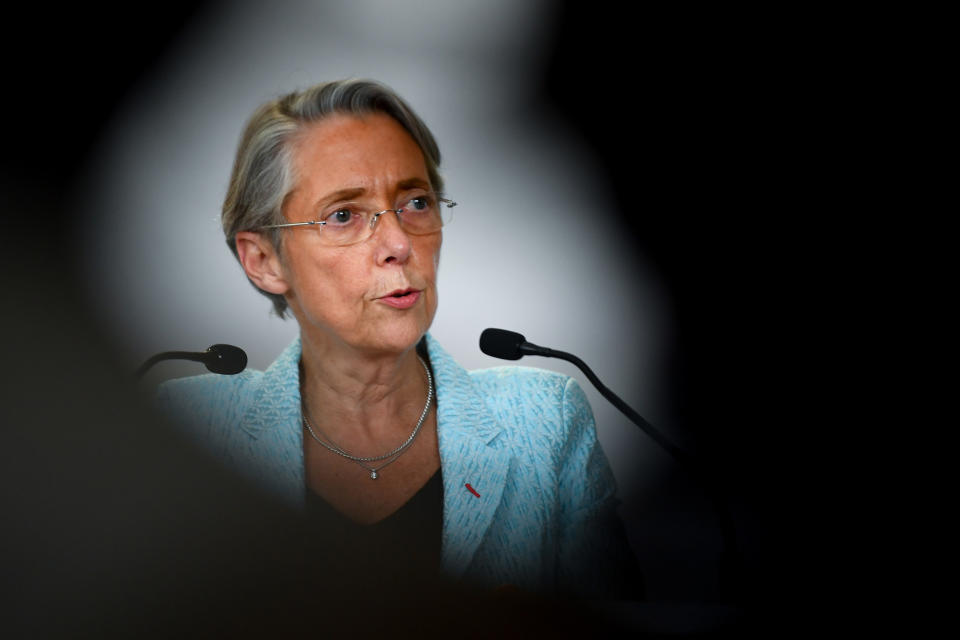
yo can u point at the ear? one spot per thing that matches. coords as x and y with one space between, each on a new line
261 262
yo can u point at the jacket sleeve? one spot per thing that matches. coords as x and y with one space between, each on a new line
594 557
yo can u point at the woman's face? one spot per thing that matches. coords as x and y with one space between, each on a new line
347 294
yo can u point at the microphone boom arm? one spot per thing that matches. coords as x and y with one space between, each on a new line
168 355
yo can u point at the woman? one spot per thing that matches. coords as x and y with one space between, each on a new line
402 458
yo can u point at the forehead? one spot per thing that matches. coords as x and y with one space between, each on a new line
348 151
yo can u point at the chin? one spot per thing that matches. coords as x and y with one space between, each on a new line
398 339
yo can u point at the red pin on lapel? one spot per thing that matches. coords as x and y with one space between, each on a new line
472 490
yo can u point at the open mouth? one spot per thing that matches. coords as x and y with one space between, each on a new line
401 299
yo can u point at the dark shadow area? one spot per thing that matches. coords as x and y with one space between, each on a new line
705 121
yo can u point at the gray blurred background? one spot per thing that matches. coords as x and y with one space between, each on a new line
535 246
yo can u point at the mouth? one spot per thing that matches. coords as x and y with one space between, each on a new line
401 298
399 293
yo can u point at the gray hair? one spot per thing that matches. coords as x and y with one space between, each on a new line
263 174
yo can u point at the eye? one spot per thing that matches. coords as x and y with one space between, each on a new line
340 218
419 203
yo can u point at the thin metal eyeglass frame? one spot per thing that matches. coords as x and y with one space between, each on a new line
373 220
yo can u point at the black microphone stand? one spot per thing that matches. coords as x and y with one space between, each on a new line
729 573
167 355
219 358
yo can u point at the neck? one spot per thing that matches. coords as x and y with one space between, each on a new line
361 398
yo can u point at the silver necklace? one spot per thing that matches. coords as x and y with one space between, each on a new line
389 457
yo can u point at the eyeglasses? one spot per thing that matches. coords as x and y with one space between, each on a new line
354 222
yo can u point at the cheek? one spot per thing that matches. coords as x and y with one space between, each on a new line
325 280
431 251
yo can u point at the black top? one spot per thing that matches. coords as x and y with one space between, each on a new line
403 547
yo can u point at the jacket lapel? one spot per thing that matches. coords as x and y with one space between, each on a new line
467 433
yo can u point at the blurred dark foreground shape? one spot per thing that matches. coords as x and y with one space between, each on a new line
116 527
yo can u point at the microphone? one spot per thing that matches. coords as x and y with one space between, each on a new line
225 359
510 345
220 358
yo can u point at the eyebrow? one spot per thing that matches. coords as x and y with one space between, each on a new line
354 192
411 183
338 196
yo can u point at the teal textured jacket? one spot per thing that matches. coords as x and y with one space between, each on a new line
523 438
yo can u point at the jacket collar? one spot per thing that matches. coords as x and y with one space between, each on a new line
467 438
276 404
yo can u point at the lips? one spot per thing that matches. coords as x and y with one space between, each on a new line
401 298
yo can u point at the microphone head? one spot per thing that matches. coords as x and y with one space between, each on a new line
226 359
501 343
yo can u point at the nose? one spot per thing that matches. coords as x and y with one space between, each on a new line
392 242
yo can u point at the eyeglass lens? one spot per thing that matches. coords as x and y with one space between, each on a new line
352 223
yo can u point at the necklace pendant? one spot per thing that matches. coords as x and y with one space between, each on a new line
373 475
